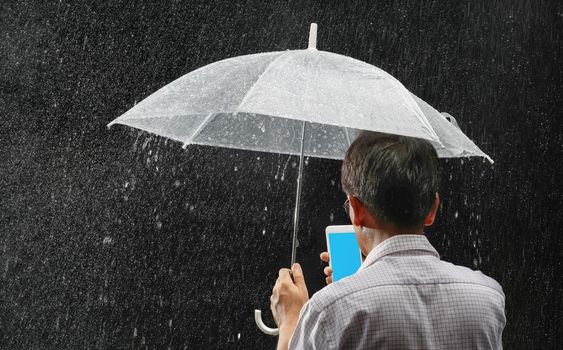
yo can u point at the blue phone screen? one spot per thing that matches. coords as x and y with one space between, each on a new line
344 254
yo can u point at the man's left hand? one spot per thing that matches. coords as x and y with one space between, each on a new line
288 297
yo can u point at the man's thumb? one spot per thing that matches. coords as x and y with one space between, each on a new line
298 277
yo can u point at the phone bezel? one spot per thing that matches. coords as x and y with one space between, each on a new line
339 229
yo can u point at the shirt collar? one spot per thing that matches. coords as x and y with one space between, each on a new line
399 243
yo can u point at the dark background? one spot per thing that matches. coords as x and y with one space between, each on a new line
115 239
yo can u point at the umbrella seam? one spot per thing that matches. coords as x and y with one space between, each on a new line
260 77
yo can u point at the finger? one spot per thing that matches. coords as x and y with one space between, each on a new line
328 271
284 275
325 257
298 277
328 280
274 311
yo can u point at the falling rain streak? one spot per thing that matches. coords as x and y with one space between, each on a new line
114 238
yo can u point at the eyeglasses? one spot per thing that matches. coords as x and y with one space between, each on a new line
346 206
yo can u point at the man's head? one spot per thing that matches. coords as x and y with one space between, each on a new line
395 178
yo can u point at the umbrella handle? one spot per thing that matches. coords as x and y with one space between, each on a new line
262 326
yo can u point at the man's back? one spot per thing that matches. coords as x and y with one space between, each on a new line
404 297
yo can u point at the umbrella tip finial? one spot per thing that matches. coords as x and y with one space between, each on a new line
313 37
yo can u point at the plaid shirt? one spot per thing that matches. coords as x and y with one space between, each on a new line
404 297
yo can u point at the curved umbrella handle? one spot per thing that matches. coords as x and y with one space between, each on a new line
262 326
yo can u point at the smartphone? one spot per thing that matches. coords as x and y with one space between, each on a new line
345 254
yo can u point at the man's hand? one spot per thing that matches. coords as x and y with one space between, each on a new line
327 270
288 297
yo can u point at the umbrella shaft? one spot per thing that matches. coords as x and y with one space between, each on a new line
297 198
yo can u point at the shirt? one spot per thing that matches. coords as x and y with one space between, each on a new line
404 297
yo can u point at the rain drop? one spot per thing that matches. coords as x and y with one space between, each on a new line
236 168
456 214
177 183
238 336
263 232
331 217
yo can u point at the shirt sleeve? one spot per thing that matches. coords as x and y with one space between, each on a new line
310 332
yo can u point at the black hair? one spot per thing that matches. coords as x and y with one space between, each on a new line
395 177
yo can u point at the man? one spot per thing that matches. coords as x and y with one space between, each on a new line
403 296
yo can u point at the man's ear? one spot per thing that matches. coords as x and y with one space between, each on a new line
359 212
429 220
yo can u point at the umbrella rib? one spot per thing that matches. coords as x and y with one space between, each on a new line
198 130
347 136
270 65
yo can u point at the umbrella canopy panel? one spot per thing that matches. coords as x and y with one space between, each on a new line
307 85
259 102
256 132
265 133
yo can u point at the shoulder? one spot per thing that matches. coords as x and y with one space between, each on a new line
464 274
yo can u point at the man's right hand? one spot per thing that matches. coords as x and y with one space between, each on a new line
327 270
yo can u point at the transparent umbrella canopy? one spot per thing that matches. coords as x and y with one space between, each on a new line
300 102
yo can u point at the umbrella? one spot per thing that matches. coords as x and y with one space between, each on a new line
301 102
